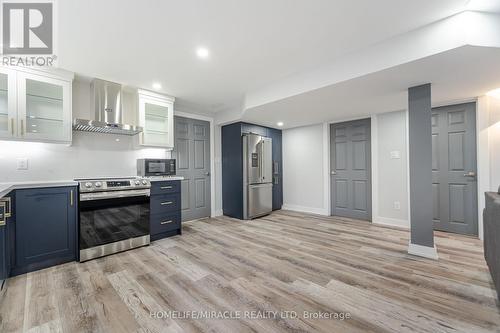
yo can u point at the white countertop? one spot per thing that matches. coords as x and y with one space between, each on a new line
5 188
164 178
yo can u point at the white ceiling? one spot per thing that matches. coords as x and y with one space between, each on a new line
252 42
455 75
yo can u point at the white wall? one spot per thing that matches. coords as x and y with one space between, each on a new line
488 151
306 177
303 179
494 142
390 173
90 155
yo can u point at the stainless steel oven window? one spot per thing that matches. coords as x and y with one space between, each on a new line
104 221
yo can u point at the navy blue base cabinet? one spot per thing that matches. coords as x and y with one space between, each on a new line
45 228
232 166
6 228
165 209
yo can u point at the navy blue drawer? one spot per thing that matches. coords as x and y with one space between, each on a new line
161 223
166 203
170 186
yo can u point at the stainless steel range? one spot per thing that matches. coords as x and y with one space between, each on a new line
114 215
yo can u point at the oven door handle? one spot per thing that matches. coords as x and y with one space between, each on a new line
113 194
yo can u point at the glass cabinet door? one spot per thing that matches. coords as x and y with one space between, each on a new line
44 108
7 104
157 122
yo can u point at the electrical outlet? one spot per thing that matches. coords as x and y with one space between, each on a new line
395 154
22 163
397 205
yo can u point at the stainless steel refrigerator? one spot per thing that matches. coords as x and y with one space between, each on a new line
257 176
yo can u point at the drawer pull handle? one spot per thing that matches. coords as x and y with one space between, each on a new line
166 203
166 187
8 206
3 218
166 222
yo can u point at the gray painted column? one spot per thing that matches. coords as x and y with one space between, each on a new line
420 158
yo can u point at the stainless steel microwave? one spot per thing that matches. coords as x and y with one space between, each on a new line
147 167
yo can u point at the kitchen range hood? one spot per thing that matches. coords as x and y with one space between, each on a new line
106 97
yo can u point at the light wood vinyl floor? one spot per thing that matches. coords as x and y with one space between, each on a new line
284 262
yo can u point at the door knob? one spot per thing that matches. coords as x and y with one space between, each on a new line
334 172
207 174
470 174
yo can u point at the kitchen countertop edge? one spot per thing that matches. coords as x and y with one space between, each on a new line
165 179
6 188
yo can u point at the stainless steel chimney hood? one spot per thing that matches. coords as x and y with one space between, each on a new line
106 97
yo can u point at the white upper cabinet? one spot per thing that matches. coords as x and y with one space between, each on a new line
156 117
44 108
39 106
8 102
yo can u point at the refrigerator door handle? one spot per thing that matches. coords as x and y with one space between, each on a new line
262 155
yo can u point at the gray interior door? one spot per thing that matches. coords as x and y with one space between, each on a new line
192 152
350 163
454 180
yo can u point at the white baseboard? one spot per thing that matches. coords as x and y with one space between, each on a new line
388 221
218 212
304 209
423 251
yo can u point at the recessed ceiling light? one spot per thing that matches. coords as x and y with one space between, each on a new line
156 86
202 52
280 123
494 93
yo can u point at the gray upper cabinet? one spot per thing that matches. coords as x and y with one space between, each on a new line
35 105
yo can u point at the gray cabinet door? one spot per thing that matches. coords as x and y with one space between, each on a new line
192 152
350 164
454 181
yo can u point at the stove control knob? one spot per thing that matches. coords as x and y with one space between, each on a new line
137 182
144 182
88 184
98 184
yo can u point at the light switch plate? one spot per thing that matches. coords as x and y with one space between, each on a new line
395 154
22 163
